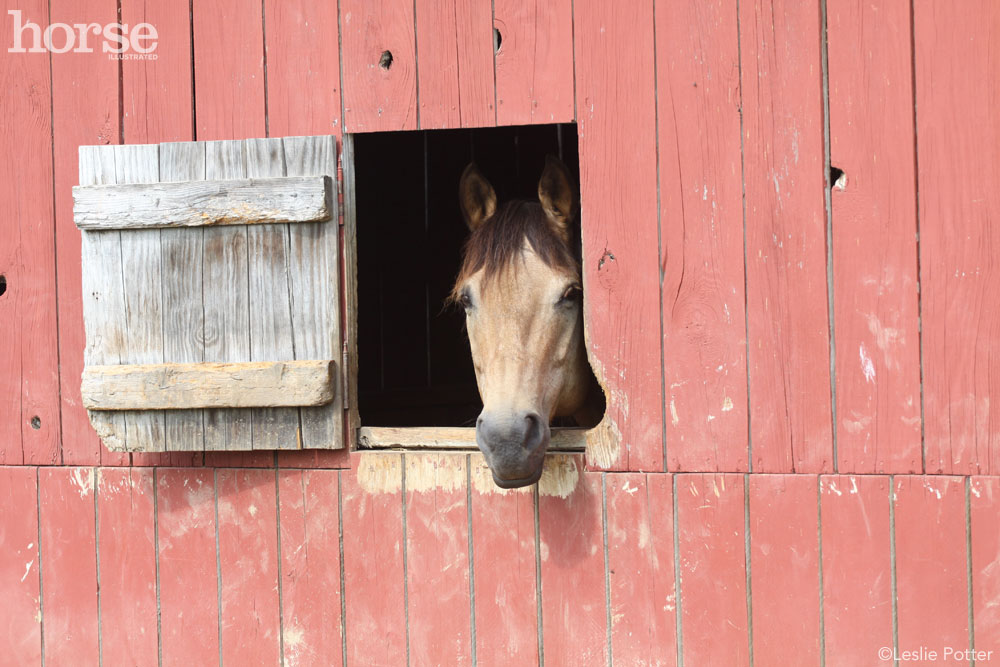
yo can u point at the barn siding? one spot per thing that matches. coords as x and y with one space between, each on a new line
709 273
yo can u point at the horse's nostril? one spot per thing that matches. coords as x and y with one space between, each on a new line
532 431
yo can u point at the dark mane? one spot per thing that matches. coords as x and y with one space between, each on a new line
499 240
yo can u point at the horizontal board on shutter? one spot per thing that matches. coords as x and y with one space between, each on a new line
201 203
250 384
239 319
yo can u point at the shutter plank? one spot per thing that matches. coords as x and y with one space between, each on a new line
270 307
314 275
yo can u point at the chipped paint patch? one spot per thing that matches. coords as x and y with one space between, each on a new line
83 480
727 404
674 418
867 367
559 476
380 473
434 471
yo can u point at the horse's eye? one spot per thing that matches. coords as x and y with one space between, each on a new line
570 294
465 300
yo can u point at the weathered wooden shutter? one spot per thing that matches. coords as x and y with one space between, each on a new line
211 294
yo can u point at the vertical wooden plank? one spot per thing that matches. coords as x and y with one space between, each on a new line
229 69
455 46
379 59
857 569
503 553
958 130
127 560
225 290
84 112
182 266
984 498
874 238
712 557
784 562
310 567
617 109
303 67
931 565
701 225
534 65
29 357
20 615
314 279
789 347
141 281
437 559
103 295
574 600
372 505
69 565
186 554
641 569
157 94
248 566
270 300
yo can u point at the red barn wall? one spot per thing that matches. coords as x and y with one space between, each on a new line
800 375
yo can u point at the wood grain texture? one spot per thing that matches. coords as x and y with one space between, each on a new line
308 502
701 225
182 273
372 502
271 292
104 311
784 566
534 65
503 552
380 92
574 600
314 282
201 203
29 357
85 108
127 559
456 78
958 130
617 109
640 528
984 498
141 265
207 385
186 556
788 323
157 95
931 562
713 587
303 67
68 548
857 569
248 567
874 239
437 559
20 615
453 437
229 66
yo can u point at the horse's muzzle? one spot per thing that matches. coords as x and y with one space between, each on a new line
514 445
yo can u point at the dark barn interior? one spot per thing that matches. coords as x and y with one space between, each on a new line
415 368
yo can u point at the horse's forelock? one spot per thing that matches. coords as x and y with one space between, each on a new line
494 245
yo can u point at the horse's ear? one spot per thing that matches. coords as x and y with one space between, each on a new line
476 197
557 195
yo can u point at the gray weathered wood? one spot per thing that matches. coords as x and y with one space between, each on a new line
183 307
251 384
314 275
270 292
225 287
103 293
351 287
143 305
445 437
200 203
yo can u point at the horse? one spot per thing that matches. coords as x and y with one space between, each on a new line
520 287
